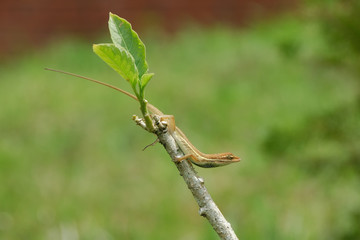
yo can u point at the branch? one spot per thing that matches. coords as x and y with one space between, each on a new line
207 207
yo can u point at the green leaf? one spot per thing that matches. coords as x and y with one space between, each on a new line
119 59
122 35
145 79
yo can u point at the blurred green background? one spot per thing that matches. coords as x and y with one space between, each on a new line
282 94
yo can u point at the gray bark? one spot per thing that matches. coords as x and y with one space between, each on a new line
207 207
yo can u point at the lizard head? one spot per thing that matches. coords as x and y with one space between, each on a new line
217 160
231 157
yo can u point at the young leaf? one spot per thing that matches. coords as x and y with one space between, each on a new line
119 59
122 35
145 79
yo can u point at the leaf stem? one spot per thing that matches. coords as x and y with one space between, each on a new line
143 108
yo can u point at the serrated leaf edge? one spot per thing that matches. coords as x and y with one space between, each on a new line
114 65
118 33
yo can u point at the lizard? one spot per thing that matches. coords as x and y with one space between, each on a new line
190 151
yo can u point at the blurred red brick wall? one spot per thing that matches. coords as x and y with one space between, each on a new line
26 23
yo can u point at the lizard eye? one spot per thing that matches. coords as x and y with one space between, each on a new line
230 157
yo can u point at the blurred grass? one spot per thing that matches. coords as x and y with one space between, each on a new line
71 165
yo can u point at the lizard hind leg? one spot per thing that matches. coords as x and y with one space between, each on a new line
170 120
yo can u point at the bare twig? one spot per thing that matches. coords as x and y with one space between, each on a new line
207 207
